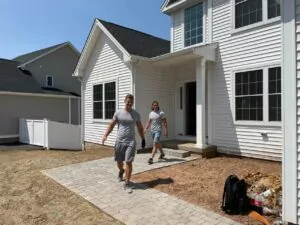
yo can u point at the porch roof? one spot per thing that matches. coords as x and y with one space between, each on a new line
207 51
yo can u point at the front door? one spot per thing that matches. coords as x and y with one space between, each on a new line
190 109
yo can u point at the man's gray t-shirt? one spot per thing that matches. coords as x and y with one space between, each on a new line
126 126
156 118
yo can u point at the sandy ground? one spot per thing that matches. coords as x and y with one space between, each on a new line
29 197
201 182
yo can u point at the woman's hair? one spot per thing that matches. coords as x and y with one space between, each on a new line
130 96
154 102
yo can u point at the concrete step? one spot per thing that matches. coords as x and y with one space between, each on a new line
176 153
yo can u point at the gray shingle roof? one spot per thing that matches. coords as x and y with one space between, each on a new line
136 42
32 55
14 79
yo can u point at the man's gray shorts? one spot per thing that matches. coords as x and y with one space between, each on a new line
124 152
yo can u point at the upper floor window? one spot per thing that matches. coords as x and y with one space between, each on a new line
104 99
193 25
49 81
253 11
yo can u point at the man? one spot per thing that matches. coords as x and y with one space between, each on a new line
125 146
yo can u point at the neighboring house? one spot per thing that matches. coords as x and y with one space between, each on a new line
291 110
218 80
39 85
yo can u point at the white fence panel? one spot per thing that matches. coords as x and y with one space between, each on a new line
50 134
32 131
64 136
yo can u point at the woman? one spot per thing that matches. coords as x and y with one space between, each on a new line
157 119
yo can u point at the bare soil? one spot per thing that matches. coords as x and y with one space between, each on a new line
201 181
29 197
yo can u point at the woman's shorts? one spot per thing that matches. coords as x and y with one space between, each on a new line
156 136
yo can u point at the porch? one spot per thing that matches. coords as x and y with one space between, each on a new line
191 71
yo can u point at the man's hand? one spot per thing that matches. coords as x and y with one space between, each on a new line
166 133
143 143
104 139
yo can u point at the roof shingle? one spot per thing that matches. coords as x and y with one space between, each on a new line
136 42
14 79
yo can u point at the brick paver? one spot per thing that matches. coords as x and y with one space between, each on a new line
96 181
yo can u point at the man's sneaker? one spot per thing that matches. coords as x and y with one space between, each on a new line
128 188
162 155
121 173
150 161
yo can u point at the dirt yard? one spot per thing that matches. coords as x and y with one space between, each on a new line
29 197
201 182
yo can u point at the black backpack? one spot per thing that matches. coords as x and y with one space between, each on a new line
235 200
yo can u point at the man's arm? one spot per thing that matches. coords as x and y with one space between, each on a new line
109 129
140 129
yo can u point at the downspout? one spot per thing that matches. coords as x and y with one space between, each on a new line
82 114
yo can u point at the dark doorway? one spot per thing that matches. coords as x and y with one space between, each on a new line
190 108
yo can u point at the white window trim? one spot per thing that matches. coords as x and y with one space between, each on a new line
265 20
103 93
265 121
203 26
47 81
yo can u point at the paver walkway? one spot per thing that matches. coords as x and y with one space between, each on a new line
96 181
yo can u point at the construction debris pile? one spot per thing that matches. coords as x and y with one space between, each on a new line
265 192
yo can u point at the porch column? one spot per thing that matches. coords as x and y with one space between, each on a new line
200 101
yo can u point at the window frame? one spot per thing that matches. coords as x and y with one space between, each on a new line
264 21
204 25
265 121
49 76
103 99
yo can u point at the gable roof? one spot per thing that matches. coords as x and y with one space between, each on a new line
15 79
136 42
35 54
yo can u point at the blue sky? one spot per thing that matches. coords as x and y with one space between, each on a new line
29 25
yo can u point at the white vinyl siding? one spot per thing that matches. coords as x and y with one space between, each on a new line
104 65
155 84
245 50
177 23
297 2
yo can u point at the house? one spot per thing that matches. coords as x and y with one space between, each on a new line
290 110
218 80
39 85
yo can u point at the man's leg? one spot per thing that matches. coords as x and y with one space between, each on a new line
121 170
128 171
129 157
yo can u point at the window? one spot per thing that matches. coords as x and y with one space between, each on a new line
258 93
249 95
104 100
273 8
275 94
249 12
193 25
49 81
